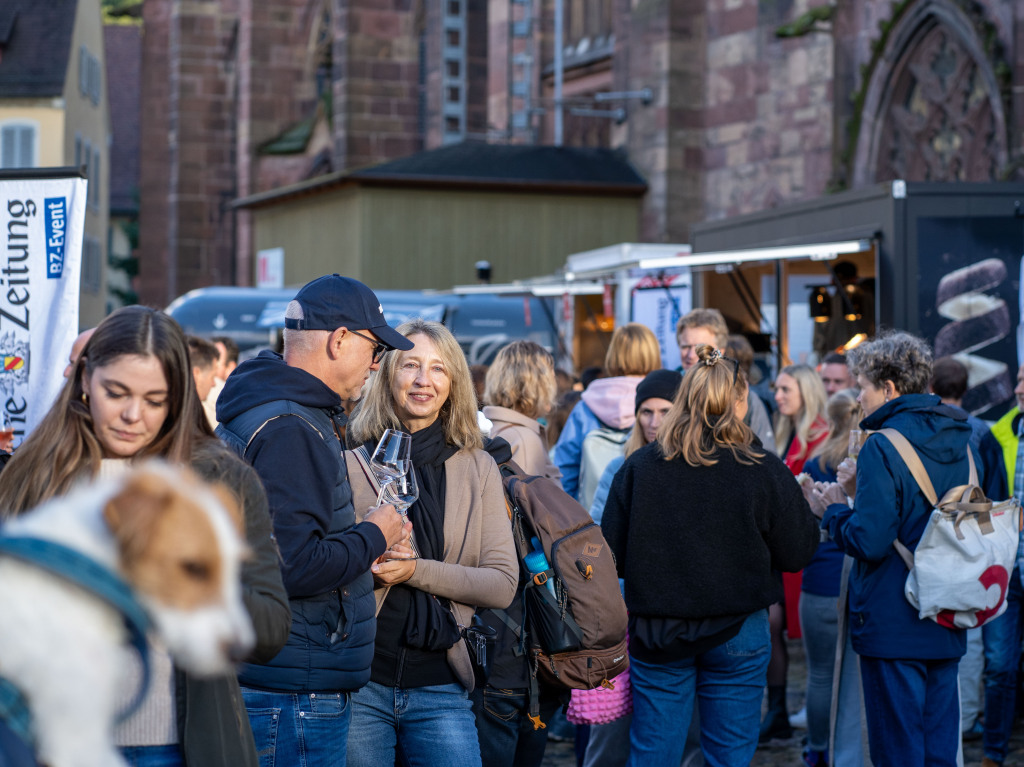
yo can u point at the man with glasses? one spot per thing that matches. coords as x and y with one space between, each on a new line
707 326
284 415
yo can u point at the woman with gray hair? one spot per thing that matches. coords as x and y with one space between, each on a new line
908 665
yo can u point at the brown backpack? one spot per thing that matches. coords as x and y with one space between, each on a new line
575 617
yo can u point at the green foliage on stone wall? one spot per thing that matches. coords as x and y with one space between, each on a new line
815 20
122 11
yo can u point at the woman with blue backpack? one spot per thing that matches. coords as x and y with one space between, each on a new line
606 410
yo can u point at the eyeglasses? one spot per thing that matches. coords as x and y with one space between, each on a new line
379 347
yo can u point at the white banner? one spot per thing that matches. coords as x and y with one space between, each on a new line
658 303
40 266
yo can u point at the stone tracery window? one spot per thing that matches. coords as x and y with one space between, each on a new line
940 123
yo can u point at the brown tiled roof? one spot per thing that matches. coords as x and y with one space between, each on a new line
35 38
123 51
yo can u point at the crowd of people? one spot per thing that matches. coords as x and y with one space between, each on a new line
735 519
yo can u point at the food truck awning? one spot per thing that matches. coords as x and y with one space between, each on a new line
555 287
592 264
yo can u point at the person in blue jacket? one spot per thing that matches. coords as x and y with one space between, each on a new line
284 416
908 665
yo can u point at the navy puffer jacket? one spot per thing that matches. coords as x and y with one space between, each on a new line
285 422
889 504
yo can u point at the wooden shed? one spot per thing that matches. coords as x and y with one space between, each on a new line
423 221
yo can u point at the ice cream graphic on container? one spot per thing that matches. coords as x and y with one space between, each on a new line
977 320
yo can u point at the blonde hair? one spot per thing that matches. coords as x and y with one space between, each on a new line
843 413
633 351
376 412
812 406
703 416
522 378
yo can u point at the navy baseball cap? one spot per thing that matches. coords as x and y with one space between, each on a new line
333 301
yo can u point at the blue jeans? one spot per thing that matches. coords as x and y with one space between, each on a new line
152 756
728 683
298 729
507 737
819 621
1002 653
428 727
608 744
913 711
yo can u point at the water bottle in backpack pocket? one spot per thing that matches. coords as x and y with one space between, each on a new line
546 614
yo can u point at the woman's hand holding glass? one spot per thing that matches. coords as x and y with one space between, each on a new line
396 565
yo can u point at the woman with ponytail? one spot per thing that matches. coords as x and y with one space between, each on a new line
697 521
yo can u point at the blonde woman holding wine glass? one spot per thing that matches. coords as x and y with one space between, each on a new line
463 558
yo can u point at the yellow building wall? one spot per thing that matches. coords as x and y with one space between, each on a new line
319 235
418 238
413 239
90 122
47 115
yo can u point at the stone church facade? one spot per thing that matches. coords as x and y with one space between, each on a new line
725 106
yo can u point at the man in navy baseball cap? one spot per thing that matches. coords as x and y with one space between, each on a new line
333 301
285 416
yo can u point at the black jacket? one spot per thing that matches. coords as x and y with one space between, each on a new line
701 541
213 726
326 557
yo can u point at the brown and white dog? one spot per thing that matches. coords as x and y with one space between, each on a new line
177 544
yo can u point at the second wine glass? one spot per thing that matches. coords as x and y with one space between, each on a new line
403 491
391 458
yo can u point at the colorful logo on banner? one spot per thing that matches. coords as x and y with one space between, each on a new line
56 236
15 355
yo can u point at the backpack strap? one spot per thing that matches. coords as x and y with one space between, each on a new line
913 462
958 501
362 456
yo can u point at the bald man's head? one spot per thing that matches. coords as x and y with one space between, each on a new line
76 350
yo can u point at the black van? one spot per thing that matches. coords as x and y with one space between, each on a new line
253 317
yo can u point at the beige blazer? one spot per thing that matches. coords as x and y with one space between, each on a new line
527 438
479 568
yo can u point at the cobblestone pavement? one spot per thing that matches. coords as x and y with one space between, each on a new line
788 753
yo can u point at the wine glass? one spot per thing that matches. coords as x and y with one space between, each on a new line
391 458
403 491
6 432
857 437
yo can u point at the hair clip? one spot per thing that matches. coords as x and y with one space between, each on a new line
716 355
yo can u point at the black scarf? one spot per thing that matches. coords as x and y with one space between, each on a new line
429 624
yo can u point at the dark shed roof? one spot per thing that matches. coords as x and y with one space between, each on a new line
511 163
476 165
35 38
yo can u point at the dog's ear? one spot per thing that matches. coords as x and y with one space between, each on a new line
131 514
